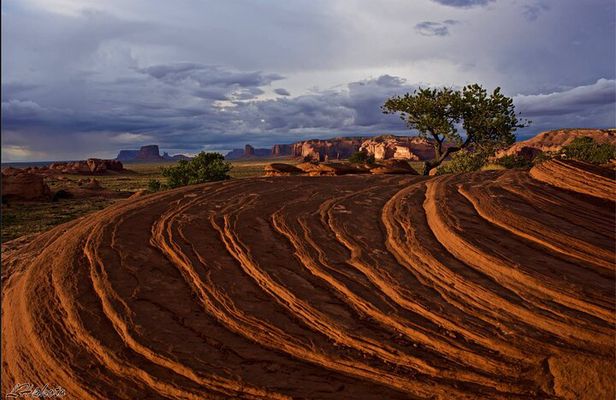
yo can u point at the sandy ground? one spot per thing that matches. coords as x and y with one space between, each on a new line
498 284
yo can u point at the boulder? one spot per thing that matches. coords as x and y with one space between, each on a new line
308 167
399 164
280 169
24 186
334 169
92 184
383 170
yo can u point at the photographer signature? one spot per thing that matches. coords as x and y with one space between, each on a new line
30 390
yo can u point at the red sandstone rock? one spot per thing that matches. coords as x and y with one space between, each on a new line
24 186
553 141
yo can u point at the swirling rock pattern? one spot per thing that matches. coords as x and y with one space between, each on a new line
486 285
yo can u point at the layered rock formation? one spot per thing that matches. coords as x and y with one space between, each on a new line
487 285
247 152
553 141
90 166
411 148
149 153
279 150
382 147
324 150
20 185
399 167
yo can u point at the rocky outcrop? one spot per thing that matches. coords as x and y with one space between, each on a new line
326 150
279 150
127 155
149 153
24 186
280 169
553 141
336 169
386 147
247 152
91 166
394 166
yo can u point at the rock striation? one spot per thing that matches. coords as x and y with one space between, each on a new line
387 147
486 285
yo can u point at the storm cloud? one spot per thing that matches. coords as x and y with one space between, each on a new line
89 78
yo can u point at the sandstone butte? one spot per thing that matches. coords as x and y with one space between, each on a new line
488 285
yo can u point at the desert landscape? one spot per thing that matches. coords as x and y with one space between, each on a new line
308 200
493 284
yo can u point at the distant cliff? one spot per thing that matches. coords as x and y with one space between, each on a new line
247 152
382 147
147 153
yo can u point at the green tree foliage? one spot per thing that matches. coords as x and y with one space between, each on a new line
586 149
154 185
205 167
488 121
514 161
361 157
464 161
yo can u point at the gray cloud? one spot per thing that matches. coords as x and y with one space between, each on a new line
532 11
429 28
464 3
82 78
574 100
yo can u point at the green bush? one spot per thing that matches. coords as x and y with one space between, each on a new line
361 157
464 161
513 161
586 149
205 167
154 185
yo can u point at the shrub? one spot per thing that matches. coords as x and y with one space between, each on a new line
154 185
464 161
361 157
586 149
205 167
514 161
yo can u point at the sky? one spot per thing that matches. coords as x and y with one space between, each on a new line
88 78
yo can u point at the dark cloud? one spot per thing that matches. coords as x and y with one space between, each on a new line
532 11
575 100
464 3
78 82
429 28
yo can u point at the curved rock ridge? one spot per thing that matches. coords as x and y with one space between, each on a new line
490 285
553 141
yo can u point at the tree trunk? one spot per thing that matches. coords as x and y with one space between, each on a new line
427 167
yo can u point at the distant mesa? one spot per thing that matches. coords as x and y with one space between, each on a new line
148 153
247 152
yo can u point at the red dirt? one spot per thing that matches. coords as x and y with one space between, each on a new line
488 285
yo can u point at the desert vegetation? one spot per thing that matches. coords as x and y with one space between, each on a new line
488 120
